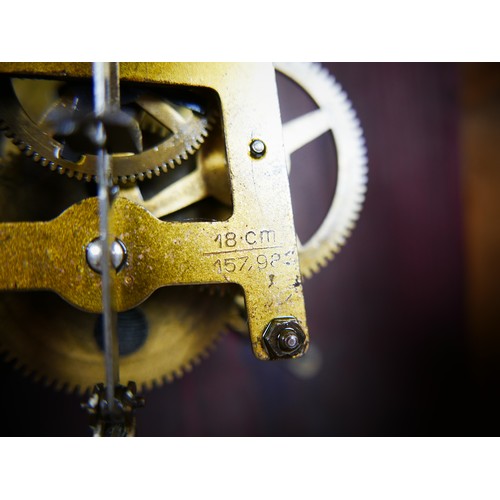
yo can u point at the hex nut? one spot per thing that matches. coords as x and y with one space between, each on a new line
281 334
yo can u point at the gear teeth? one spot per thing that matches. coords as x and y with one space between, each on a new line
36 377
179 373
17 365
47 382
60 386
6 356
56 385
196 361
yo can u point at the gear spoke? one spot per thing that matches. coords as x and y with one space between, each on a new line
178 195
167 115
132 193
62 105
304 129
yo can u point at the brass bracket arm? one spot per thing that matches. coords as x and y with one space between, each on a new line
255 248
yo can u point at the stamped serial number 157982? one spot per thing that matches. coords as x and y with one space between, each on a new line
247 262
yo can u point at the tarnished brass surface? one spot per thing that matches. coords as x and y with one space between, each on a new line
256 248
51 255
210 75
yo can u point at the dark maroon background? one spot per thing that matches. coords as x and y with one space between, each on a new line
388 314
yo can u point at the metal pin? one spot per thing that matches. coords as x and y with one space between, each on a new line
257 148
94 254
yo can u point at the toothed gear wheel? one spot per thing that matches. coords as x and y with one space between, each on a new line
188 129
335 113
54 343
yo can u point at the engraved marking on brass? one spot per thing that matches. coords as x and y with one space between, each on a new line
257 262
230 239
242 250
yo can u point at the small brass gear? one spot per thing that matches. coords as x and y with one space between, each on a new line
187 128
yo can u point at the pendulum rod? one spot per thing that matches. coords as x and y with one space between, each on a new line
107 101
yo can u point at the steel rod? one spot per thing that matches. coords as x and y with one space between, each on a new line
106 98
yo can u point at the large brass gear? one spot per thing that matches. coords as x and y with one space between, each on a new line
50 340
188 129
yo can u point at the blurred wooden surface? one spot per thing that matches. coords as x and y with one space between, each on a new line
481 168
